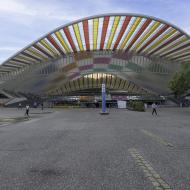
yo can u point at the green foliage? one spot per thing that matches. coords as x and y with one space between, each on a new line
180 82
137 105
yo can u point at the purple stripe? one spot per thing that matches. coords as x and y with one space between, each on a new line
86 67
73 75
102 60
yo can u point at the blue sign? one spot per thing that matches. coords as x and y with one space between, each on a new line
103 98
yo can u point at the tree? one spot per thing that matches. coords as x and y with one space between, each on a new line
180 83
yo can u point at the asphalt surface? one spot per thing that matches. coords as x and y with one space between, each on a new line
79 149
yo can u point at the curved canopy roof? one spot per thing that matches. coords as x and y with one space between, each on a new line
118 32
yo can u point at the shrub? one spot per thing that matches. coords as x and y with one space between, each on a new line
137 105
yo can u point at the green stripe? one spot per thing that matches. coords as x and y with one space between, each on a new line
133 66
115 67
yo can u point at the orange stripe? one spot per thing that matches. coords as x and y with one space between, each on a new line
68 35
163 29
86 34
124 26
104 31
142 29
53 42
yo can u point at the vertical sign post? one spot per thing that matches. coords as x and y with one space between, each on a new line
104 99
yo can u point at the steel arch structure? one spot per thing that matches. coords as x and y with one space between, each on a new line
130 45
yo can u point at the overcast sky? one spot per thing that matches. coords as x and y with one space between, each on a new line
23 21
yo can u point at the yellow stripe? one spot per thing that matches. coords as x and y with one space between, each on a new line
164 37
113 30
146 35
78 36
47 46
130 32
173 46
62 41
95 32
37 54
16 62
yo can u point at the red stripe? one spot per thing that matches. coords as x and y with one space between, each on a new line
163 29
104 31
86 34
142 29
53 42
124 26
86 67
67 33
166 43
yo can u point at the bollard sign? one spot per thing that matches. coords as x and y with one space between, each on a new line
103 88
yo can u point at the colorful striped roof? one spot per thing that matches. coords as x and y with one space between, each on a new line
139 34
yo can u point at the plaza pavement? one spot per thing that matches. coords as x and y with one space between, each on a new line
79 149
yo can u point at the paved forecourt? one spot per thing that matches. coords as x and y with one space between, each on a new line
81 149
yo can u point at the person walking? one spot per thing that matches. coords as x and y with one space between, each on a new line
27 110
154 107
